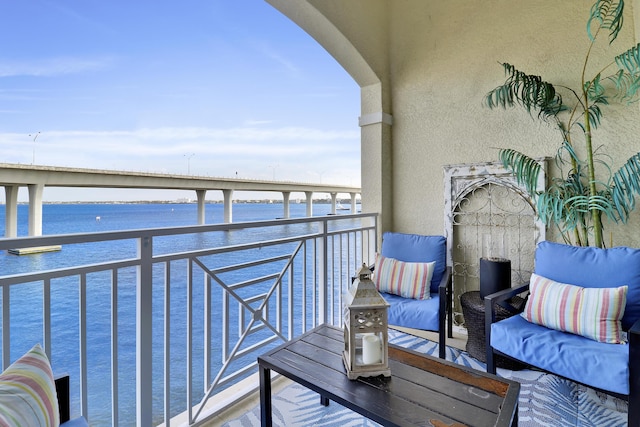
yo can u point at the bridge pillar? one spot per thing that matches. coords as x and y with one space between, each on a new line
200 194
228 206
334 198
353 202
309 195
11 211
286 195
35 209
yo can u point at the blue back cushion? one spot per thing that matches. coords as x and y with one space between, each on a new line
591 267
417 248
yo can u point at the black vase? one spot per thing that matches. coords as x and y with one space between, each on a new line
495 275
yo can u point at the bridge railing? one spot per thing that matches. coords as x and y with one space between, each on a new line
159 322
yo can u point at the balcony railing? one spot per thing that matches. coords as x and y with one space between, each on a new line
158 322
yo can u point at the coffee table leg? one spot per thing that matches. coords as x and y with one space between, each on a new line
265 397
324 401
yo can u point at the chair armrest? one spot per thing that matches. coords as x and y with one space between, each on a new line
500 298
445 316
490 303
62 390
633 335
446 283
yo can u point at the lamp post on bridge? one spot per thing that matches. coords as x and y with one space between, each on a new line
274 170
33 159
189 156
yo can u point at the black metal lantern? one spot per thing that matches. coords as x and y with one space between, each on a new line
366 335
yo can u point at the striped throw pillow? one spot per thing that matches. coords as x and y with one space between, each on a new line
27 392
591 312
407 279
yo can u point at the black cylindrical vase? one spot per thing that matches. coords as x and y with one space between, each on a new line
495 275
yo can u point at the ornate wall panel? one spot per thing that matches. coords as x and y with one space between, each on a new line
487 214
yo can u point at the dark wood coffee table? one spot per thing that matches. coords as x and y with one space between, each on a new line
422 390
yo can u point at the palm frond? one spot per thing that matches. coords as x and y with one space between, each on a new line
627 85
585 204
607 15
630 60
627 79
528 91
560 160
594 89
525 169
626 186
595 114
550 208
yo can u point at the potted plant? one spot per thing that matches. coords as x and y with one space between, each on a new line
587 187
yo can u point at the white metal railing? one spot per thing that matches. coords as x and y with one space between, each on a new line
176 314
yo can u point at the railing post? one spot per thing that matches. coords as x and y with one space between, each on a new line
323 295
6 327
370 240
144 296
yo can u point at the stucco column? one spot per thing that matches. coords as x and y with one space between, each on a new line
228 206
286 195
376 157
11 211
309 195
35 209
200 194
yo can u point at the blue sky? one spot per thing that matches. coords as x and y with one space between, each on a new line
206 87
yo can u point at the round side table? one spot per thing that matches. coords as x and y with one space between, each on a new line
473 311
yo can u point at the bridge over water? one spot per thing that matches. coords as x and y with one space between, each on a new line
36 178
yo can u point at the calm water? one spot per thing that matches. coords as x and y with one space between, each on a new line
26 301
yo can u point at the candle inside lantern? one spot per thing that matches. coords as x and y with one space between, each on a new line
371 349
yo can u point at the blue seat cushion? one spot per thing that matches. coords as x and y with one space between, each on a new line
413 313
601 365
417 248
592 267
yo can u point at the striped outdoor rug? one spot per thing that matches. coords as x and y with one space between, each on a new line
545 400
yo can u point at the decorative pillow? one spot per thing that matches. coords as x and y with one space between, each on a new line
407 279
591 312
28 393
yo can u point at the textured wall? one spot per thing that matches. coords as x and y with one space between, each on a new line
444 59
434 61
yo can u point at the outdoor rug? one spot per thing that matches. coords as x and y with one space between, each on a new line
545 399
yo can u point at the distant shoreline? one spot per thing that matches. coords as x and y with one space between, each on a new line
176 202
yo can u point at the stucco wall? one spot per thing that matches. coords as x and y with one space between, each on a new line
431 64
444 58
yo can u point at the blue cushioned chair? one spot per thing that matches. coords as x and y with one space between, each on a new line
613 368
430 314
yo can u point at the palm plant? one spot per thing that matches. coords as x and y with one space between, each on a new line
576 200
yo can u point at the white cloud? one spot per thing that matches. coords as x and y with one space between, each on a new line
257 122
271 53
302 154
52 66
